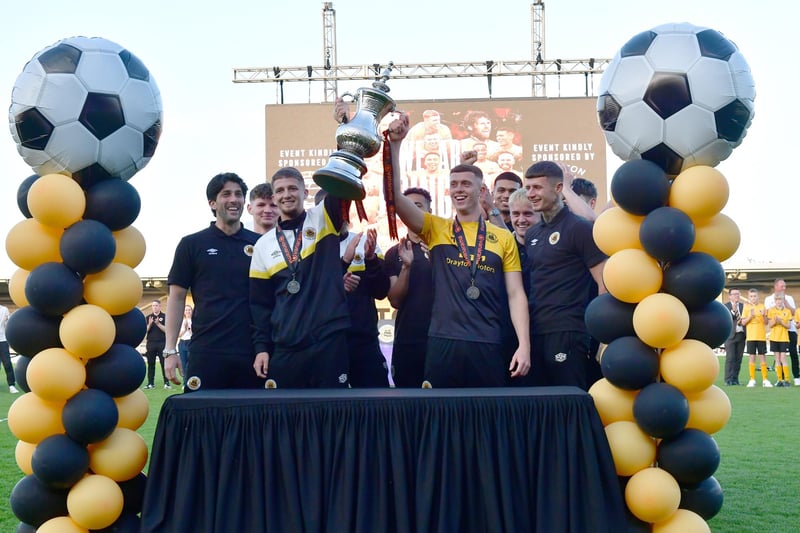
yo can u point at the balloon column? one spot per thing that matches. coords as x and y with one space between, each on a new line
86 115
674 102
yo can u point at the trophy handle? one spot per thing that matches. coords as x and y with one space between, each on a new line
352 99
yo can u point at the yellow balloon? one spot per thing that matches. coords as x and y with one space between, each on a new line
133 409
55 374
709 410
61 524
117 289
682 521
95 502
613 404
87 331
616 229
29 244
660 320
700 191
56 200
121 456
652 494
23 454
717 236
32 419
131 246
690 365
631 274
631 448
16 287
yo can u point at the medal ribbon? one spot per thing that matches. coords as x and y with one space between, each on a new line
292 257
388 186
480 241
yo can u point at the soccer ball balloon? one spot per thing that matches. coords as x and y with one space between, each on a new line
678 95
88 108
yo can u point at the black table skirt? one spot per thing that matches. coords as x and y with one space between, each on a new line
436 460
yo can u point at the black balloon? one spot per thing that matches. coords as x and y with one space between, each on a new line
30 331
21 372
87 246
704 498
25 528
53 288
639 186
131 327
113 202
59 462
661 410
34 503
133 493
695 279
710 323
667 234
90 416
117 372
690 456
22 195
608 318
629 364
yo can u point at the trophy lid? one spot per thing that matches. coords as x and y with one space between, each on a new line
380 84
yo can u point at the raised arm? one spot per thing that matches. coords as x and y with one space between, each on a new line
409 213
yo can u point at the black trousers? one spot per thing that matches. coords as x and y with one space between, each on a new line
734 348
153 352
793 354
5 356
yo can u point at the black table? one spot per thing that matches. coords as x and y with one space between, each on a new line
435 460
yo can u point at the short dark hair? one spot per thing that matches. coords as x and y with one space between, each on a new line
288 172
262 191
546 169
584 187
218 182
467 168
419 190
508 176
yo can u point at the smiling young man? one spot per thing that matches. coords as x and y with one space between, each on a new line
297 298
262 208
566 273
213 264
476 271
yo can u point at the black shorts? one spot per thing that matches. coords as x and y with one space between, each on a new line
324 365
563 358
454 363
408 364
216 371
779 346
757 347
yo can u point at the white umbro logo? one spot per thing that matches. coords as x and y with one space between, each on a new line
534 241
212 251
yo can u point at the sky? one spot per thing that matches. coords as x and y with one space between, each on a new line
212 125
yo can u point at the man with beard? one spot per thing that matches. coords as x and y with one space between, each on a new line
213 264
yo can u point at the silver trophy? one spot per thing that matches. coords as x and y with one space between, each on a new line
357 140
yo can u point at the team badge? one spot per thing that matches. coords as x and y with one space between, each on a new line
560 357
342 378
358 259
193 383
270 384
491 237
248 250
554 237
310 233
427 384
